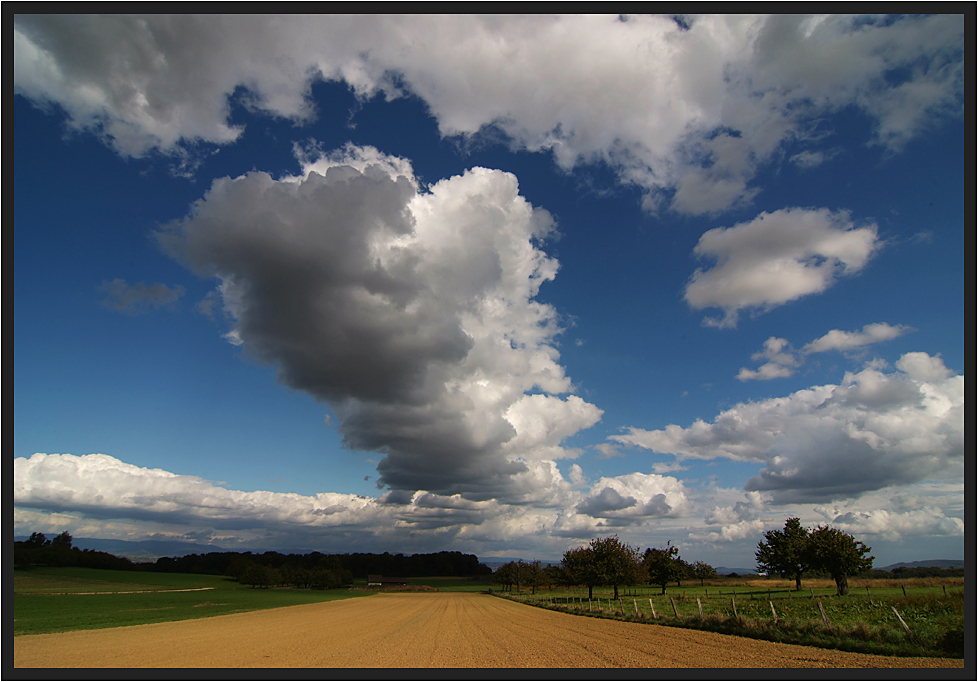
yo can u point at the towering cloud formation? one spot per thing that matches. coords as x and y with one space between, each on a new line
687 108
411 312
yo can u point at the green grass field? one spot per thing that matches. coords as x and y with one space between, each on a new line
862 621
48 599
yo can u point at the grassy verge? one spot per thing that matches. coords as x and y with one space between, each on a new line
862 622
48 599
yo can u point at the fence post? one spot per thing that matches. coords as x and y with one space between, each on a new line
902 622
674 609
635 601
812 590
621 606
652 606
734 605
904 588
824 617
773 611
867 590
700 605
944 587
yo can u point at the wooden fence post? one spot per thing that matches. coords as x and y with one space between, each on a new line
635 601
812 590
674 609
902 622
904 588
773 611
652 606
700 605
824 616
733 604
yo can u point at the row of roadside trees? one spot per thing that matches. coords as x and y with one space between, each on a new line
606 562
609 562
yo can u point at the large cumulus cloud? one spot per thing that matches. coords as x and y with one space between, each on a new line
411 312
875 429
687 108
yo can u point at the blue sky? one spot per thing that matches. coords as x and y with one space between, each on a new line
497 285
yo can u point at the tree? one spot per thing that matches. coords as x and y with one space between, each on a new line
515 573
702 571
839 554
580 568
663 566
62 540
533 576
607 561
38 540
784 552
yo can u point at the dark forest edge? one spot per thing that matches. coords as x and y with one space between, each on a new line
313 570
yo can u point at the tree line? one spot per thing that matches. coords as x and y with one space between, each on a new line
312 570
609 562
606 562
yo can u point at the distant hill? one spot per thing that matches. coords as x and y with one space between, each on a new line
724 570
939 563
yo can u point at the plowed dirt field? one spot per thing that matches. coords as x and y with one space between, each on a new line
425 630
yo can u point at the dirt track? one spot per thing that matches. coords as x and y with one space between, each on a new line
425 630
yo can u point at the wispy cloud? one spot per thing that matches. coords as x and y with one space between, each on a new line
782 359
136 299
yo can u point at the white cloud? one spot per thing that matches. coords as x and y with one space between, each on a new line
890 525
411 312
871 431
782 359
843 341
101 496
686 110
776 258
633 498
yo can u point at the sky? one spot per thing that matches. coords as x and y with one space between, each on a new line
497 285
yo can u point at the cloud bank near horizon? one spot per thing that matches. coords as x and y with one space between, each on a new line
832 442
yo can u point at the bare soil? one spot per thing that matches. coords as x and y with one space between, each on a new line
405 630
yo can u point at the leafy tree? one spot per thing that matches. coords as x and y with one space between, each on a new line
839 554
62 540
534 576
580 568
607 561
622 563
702 571
664 565
515 573
784 552
38 540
